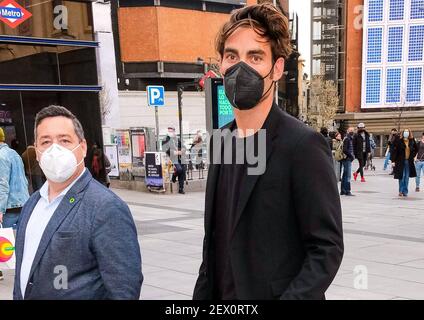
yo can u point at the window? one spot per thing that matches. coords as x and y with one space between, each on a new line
375 39
375 10
393 85
397 8
416 43
414 84
417 9
373 81
316 66
395 46
316 49
318 12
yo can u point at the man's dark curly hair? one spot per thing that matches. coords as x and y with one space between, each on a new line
267 21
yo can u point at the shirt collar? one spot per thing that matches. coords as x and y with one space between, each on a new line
44 191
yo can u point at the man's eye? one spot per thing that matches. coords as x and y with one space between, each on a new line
257 59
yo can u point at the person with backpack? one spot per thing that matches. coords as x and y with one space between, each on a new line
348 157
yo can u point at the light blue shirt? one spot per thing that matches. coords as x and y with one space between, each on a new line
37 223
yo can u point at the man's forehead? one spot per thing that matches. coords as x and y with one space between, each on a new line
56 126
246 39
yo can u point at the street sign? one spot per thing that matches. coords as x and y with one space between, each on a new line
13 14
155 96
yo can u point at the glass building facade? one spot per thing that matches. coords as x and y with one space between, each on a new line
47 56
393 54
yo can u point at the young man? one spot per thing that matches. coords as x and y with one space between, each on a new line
361 148
419 162
76 239
277 234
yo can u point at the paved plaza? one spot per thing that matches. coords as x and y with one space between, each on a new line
384 242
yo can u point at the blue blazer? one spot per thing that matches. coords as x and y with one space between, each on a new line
90 241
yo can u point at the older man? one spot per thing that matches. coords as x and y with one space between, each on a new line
76 239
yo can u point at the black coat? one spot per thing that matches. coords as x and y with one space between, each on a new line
287 242
398 157
358 142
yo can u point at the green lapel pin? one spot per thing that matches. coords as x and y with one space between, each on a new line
72 200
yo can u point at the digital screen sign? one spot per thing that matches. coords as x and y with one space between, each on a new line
225 109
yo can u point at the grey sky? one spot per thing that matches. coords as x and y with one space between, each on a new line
303 10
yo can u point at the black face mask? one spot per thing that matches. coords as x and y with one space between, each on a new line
244 86
351 134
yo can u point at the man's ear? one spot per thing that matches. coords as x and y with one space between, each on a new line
84 147
278 69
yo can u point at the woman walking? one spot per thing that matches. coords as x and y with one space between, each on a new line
404 152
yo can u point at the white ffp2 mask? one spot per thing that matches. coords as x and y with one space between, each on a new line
59 163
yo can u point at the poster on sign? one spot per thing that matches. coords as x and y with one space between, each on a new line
155 170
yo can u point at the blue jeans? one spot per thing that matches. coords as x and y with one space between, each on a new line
347 172
386 161
419 166
404 182
10 220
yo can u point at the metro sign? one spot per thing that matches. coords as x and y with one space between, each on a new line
13 14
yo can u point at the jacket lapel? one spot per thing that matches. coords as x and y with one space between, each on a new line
249 182
213 174
71 199
20 238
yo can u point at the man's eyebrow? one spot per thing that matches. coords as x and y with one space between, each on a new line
230 50
256 51
59 136
64 136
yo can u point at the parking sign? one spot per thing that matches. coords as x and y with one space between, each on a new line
155 96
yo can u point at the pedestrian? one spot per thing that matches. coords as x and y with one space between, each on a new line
99 165
361 148
175 151
33 171
337 144
389 151
347 163
373 146
270 230
419 162
73 225
404 152
324 132
196 149
13 186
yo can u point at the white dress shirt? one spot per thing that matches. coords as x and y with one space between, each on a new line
37 223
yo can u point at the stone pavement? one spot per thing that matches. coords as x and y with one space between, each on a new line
384 242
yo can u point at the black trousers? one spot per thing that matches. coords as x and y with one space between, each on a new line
181 174
362 160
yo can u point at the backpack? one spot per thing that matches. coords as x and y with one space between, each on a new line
339 155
